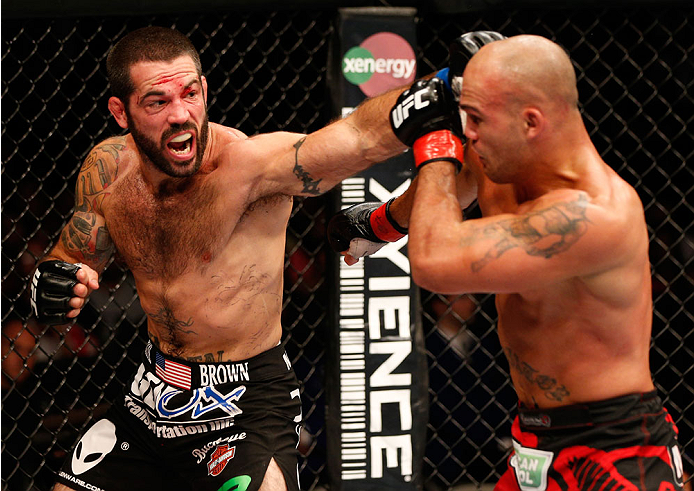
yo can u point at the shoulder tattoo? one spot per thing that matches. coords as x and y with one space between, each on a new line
97 174
542 233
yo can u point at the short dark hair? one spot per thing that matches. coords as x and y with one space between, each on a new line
146 44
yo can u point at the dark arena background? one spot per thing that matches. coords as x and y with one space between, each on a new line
267 68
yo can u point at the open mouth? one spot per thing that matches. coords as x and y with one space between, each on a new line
181 146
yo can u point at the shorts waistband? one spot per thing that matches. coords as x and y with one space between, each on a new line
588 414
190 375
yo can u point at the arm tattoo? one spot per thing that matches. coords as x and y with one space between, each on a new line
549 385
82 237
310 186
542 233
95 175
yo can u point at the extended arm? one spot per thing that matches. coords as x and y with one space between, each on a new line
309 165
312 164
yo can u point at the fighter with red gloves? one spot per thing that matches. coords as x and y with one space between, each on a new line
563 245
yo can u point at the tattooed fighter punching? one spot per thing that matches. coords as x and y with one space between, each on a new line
564 246
199 213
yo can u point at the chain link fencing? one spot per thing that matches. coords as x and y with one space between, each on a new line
266 72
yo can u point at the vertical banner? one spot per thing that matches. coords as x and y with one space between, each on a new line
377 381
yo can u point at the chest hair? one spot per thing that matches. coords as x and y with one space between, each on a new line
162 236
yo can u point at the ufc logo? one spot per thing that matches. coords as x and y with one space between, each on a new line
402 110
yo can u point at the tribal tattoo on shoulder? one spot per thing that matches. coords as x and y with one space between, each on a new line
552 390
542 233
310 185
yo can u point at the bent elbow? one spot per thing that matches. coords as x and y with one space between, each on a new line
428 272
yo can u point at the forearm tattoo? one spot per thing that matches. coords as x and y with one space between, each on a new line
542 233
310 185
549 385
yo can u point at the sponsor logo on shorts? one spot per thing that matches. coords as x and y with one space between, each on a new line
536 420
238 483
201 402
219 459
531 467
94 446
201 453
382 61
79 482
168 430
167 402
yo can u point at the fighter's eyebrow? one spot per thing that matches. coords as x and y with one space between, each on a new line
157 93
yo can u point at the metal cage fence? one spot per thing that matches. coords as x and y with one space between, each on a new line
267 72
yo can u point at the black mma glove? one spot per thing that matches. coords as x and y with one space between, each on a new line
425 117
459 53
51 290
363 229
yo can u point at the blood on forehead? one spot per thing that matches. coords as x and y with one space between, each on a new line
181 81
166 80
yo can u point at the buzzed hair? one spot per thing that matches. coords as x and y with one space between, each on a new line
146 44
535 68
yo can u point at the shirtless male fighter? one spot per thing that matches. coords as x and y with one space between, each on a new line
199 212
564 246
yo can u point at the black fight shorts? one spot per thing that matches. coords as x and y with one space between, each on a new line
194 426
624 443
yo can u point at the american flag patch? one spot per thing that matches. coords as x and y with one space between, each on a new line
172 372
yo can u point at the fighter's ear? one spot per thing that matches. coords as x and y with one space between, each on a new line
534 122
117 108
204 87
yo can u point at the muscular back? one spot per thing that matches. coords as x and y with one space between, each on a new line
585 336
206 254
